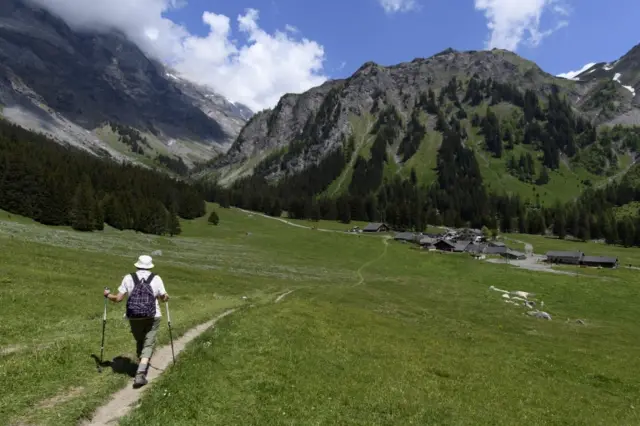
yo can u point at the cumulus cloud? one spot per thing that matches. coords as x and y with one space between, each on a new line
256 73
395 6
572 74
512 22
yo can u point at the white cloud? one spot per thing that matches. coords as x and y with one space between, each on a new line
572 74
395 6
256 73
509 21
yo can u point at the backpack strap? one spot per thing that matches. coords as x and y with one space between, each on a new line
136 280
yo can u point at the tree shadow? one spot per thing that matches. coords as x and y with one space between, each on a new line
119 365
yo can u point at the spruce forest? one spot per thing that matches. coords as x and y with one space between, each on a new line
64 186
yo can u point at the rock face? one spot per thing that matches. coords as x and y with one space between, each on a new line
321 118
622 77
67 83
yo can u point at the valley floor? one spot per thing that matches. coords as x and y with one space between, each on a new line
364 331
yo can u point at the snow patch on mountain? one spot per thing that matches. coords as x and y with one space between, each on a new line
572 75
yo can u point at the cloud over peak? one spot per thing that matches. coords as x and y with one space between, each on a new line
512 22
256 73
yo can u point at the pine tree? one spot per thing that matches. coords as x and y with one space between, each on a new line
213 218
83 209
275 208
584 231
173 224
114 213
99 217
315 211
559 224
344 209
543 179
152 217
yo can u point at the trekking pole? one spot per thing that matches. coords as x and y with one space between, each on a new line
104 323
170 334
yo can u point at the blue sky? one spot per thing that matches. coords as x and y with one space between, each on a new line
355 31
254 51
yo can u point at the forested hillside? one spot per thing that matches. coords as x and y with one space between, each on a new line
534 141
57 185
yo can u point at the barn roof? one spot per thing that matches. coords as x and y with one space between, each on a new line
566 254
496 250
408 236
461 245
373 226
428 240
599 259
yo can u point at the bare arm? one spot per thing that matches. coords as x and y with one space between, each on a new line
116 298
163 296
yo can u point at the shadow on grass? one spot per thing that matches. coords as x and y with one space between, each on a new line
119 365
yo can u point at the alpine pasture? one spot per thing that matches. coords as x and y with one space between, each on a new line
370 332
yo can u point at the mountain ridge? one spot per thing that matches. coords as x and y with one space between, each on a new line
68 83
304 116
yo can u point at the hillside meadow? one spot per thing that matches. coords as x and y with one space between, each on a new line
374 331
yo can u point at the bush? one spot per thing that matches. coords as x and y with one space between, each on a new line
213 218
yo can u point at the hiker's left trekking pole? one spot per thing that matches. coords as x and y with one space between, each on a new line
104 323
170 334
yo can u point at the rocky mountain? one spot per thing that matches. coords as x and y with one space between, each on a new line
70 84
535 114
607 77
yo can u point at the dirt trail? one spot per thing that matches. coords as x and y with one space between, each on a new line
282 296
286 222
274 218
126 399
364 265
123 401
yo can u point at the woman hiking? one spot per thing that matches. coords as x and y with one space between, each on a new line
143 289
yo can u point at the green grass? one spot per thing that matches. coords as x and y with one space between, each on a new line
363 142
374 333
565 183
112 139
329 224
421 342
424 161
627 210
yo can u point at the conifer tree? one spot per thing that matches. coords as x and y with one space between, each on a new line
213 218
99 217
83 209
559 224
173 224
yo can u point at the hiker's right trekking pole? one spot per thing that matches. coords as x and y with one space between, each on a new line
170 334
104 323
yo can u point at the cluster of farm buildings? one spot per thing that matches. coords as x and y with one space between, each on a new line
473 241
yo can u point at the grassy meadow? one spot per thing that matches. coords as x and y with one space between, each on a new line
374 332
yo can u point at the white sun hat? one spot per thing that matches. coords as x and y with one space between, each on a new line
144 262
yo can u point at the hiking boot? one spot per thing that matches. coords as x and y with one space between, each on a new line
139 381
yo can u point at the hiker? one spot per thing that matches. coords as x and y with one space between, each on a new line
143 288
